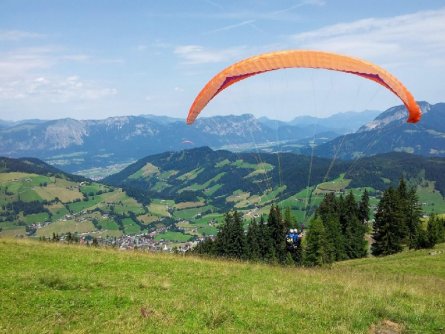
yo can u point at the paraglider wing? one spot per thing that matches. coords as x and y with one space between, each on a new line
302 59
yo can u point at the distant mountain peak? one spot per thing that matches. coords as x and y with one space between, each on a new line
390 132
395 114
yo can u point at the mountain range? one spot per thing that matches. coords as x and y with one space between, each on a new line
108 145
74 145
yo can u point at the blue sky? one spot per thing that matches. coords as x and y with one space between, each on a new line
96 59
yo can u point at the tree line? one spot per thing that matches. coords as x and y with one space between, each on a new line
337 231
398 223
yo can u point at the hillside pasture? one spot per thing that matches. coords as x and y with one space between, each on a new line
62 227
205 185
173 236
148 219
160 208
58 210
130 226
93 188
339 184
60 190
193 212
50 287
431 199
190 175
188 205
36 218
145 172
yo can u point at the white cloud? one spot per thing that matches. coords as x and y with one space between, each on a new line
55 90
403 37
21 61
197 54
17 35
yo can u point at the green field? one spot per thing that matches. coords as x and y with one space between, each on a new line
82 205
196 186
338 184
61 227
108 224
173 236
192 213
432 201
130 227
190 175
146 171
160 207
36 218
52 288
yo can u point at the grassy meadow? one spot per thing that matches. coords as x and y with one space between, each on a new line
54 288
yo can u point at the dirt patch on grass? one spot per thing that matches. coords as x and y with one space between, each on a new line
386 327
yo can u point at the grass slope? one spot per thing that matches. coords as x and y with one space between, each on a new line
56 288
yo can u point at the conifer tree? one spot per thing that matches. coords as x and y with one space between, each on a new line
354 230
433 231
289 220
412 218
329 212
206 247
228 238
387 224
328 207
253 251
264 239
236 242
334 238
403 206
363 208
277 231
316 246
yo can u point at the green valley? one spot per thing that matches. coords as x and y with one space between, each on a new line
181 197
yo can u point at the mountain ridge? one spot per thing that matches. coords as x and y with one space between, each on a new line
390 132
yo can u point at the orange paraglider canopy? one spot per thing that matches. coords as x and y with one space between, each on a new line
306 59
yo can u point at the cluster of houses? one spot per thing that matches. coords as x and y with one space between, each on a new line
143 242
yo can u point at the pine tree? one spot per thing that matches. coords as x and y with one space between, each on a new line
412 218
354 230
328 207
387 224
403 206
277 231
241 234
329 212
231 241
222 237
289 220
363 207
316 246
206 247
334 238
253 251
264 239
433 231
